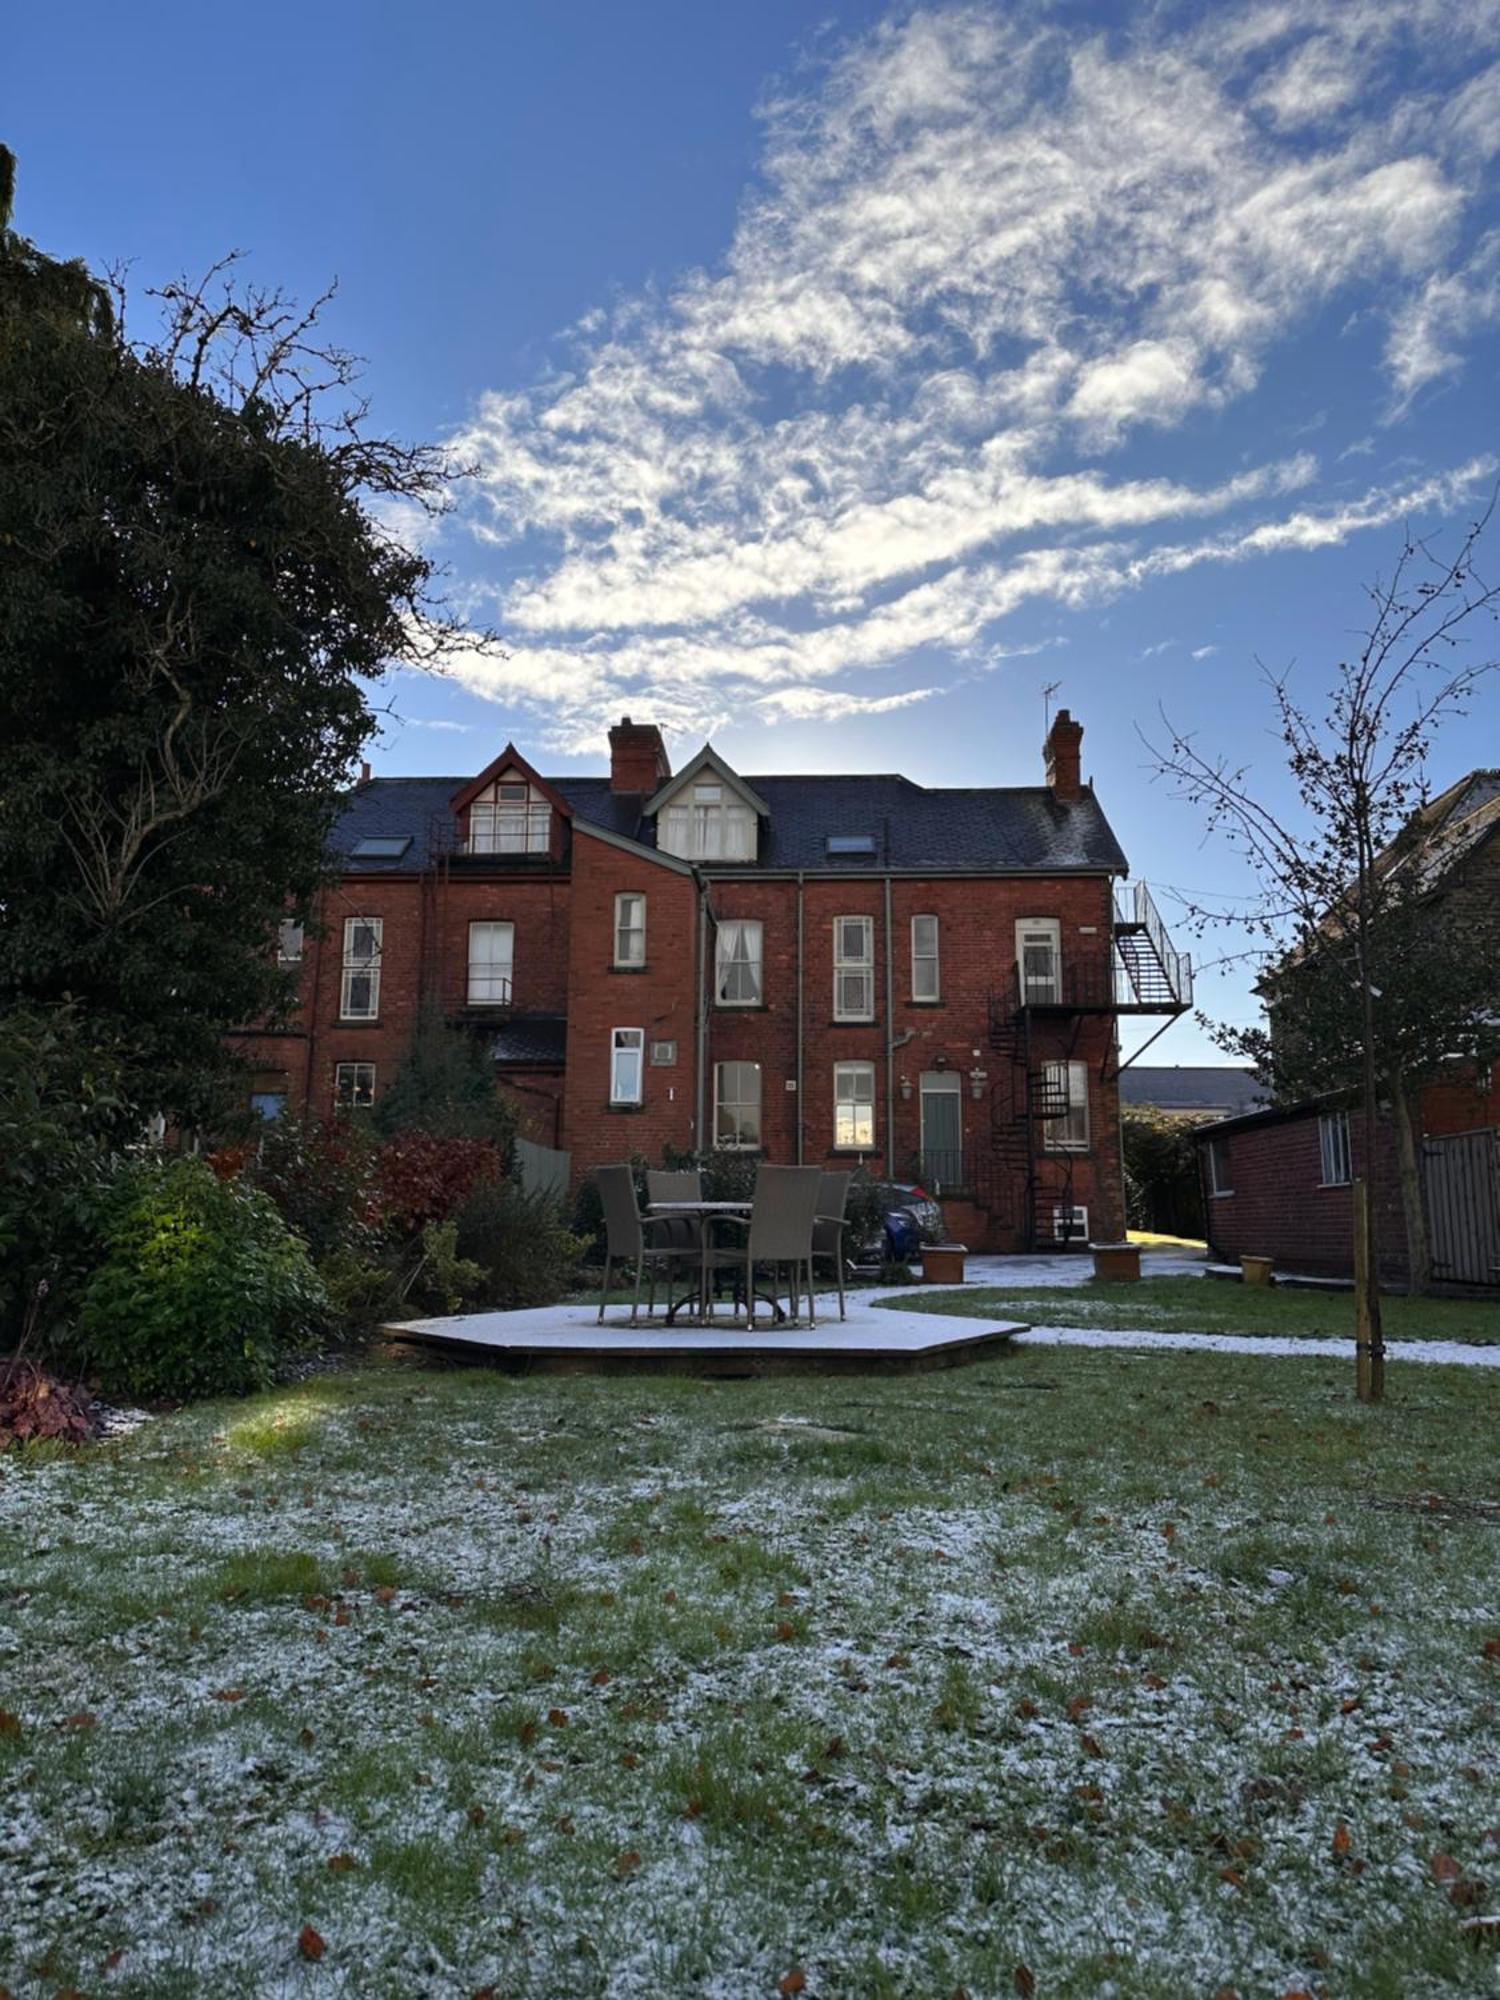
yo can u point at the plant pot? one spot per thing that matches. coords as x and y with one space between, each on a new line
1257 1271
1116 1261
943 1263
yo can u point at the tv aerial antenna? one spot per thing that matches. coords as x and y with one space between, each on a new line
1047 693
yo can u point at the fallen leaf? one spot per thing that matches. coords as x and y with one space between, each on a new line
791 1982
558 1717
1445 1868
1340 1841
82 1720
628 1862
1090 1745
310 1944
385 1593
1492 1648
601 1679
229 1694
306 1738
1078 1704
1233 1877
340 1864
477 1815
1025 1981
10 1725
784 1630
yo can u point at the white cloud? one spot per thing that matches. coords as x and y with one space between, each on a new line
1204 652
824 705
1428 334
984 251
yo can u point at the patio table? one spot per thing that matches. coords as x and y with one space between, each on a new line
706 1210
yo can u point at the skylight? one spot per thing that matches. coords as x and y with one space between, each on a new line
383 847
851 843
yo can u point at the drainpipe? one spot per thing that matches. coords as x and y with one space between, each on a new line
801 915
890 1044
702 1052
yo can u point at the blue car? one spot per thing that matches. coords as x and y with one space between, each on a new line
912 1218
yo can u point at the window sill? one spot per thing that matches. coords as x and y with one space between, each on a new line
741 1007
927 1003
1067 1152
624 1107
855 1021
1333 1186
359 1021
1220 1194
629 968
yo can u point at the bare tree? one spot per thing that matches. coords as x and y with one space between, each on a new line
1368 988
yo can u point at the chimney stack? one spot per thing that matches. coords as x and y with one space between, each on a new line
364 770
1063 751
637 757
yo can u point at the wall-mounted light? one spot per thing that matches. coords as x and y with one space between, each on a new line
978 1078
906 1086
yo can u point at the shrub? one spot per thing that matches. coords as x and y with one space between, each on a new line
64 1109
203 1289
422 1178
446 1087
321 1178
1163 1188
441 1281
521 1243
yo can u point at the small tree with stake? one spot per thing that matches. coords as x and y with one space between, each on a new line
1370 990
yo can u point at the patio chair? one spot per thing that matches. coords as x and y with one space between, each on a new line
778 1231
626 1238
677 1184
828 1230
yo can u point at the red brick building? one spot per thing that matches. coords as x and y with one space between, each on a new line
1278 1183
818 969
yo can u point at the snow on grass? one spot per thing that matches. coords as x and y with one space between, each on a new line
1076 1661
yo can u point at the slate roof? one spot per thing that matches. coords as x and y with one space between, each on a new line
535 1041
1173 1087
1019 827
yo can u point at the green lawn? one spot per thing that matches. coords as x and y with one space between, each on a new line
1129 1674
1211 1305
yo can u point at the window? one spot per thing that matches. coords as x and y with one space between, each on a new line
924 958
491 955
381 847
1039 959
736 1104
353 1086
510 817
849 843
630 930
360 997
737 979
1333 1142
1066 1085
268 1104
627 1048
854 968
289 943
711 824
854 1105
1219 1181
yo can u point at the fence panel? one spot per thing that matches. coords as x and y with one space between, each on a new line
542 1169
1461 1189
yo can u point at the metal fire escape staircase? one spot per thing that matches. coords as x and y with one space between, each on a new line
1028 1188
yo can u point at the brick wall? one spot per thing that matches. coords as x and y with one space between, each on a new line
658 998
563 963
1279 1207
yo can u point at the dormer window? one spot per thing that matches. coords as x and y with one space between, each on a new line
509 817
708 823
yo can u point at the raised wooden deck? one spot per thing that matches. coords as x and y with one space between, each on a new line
571 1340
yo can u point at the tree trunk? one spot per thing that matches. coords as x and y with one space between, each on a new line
1419 1257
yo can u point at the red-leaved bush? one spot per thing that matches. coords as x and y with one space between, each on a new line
35 1404
421 1179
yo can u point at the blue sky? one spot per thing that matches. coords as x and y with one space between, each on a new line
839 378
